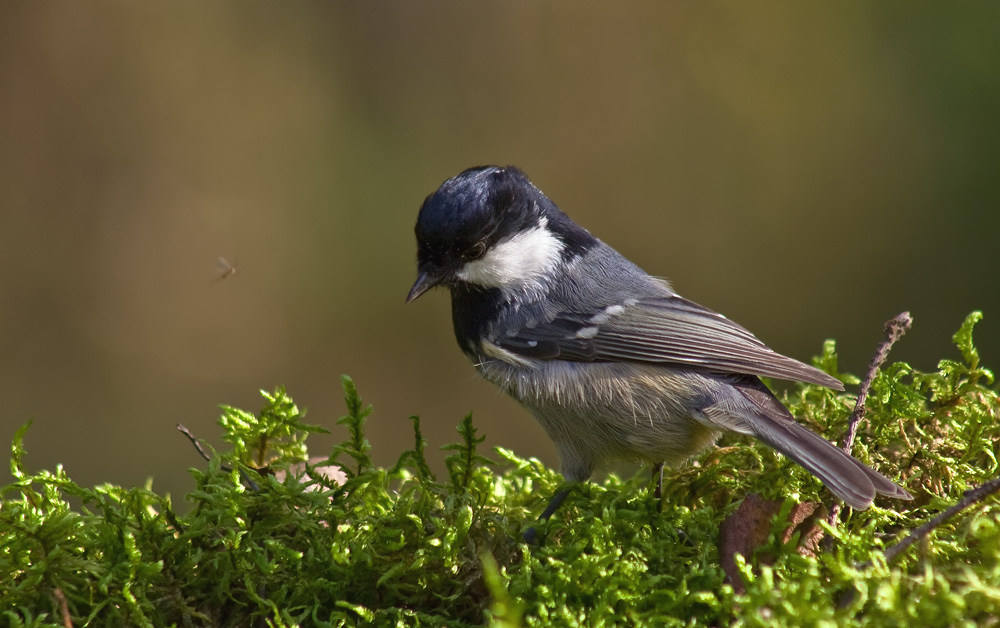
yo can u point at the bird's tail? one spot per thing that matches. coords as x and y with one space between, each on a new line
846 476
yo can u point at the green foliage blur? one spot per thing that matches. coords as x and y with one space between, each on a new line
271 538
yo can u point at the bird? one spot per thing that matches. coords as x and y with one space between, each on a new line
613 363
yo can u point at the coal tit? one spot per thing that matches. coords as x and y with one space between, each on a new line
611 361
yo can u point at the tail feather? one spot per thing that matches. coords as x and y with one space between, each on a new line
846 476
842 473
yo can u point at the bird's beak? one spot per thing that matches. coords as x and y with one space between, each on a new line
425 281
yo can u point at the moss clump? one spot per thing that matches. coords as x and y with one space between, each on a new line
271 540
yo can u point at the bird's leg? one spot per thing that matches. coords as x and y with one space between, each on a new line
554 504
530 535
658 478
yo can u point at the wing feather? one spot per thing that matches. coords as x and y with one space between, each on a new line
667 330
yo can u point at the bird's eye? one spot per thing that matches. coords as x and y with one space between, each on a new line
475 251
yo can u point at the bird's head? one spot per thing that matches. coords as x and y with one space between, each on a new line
490 228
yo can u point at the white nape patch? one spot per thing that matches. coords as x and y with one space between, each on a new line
587 332
518 262
606 314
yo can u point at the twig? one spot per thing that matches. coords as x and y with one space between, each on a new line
894 330
201 450
971 497
63 607
194 441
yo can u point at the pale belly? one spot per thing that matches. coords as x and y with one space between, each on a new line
603 412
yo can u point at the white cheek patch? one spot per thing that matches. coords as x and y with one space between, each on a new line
517 262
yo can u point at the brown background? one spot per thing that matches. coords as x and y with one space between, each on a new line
809 172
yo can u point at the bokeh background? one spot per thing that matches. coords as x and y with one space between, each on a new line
810 171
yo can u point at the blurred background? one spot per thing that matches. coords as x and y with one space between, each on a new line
807 171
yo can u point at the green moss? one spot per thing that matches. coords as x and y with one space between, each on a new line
399 547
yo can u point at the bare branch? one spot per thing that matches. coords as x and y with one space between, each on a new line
194 441
204 454
63 607
894 330
971 497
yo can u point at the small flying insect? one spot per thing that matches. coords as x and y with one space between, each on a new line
225 269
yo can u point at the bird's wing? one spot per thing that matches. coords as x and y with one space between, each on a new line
667 330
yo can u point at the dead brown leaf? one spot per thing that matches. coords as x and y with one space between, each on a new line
747 529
